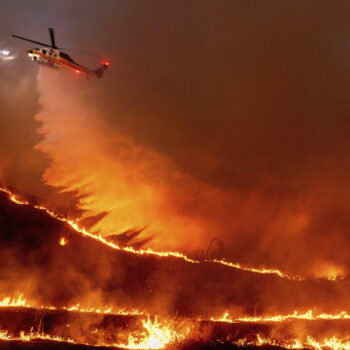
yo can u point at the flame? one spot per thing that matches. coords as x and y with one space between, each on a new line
260 270
63 241
101 310
11 301
308 315
4 335
333 342
37 335
157 335
74 224
26 337
329 270
21 301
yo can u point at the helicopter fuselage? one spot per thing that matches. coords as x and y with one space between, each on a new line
48 57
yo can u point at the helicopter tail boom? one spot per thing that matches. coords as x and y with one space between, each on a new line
99 71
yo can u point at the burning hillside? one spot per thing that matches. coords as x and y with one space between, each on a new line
61 284
68 255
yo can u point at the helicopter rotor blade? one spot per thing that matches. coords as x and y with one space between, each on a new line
52 36
36 42
32 41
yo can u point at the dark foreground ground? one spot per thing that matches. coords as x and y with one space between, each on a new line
48 345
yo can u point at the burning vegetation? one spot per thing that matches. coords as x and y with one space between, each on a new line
82 290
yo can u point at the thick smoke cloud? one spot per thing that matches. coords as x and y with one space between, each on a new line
131 186
248 100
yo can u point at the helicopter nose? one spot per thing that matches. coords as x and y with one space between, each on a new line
30 53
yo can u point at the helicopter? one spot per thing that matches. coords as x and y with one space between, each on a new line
52 56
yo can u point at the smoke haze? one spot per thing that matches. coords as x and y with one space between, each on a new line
225 119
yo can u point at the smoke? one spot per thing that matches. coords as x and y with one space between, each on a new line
120 184
126 185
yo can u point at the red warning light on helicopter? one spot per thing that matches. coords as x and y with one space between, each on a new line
106 63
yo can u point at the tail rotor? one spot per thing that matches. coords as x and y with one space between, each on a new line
99 71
